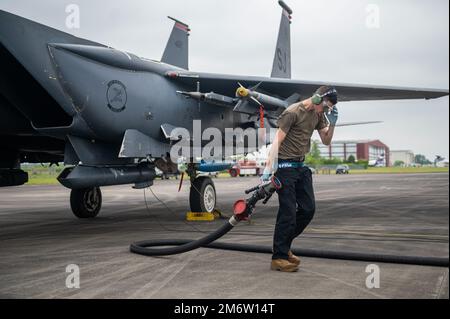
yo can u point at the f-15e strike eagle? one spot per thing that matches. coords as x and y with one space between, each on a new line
109 114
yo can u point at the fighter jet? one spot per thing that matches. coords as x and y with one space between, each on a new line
109 115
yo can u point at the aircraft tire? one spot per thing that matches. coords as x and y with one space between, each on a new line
86 202
202 198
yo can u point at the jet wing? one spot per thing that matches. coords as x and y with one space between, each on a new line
283 88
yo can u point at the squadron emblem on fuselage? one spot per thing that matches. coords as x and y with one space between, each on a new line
116 95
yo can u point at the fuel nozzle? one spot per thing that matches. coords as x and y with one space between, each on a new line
243 209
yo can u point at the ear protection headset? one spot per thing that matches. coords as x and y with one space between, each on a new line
318 98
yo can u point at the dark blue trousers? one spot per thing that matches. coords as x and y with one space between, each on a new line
297 208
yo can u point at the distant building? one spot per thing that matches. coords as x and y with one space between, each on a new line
406 157
442 164
372 151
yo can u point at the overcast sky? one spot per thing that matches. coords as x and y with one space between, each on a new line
330 42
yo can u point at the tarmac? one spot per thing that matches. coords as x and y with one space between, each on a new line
389 214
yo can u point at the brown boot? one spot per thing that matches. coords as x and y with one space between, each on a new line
293 259
283 265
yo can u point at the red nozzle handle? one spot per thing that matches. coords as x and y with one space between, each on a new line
240 209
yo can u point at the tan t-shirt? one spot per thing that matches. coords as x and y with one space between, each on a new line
299 125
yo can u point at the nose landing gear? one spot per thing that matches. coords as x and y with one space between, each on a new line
202 197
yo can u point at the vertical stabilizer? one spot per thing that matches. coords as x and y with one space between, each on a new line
282 60
177 49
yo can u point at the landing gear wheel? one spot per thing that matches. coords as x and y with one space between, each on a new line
202 198
86 202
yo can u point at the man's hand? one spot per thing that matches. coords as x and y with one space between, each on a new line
267 175
333 116
326 134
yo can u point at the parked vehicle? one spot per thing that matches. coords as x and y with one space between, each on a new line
342 169
246 168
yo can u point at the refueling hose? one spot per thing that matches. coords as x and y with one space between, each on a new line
242 211
180 246
183 246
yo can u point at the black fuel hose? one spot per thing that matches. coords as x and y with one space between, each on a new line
141 248
182 246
